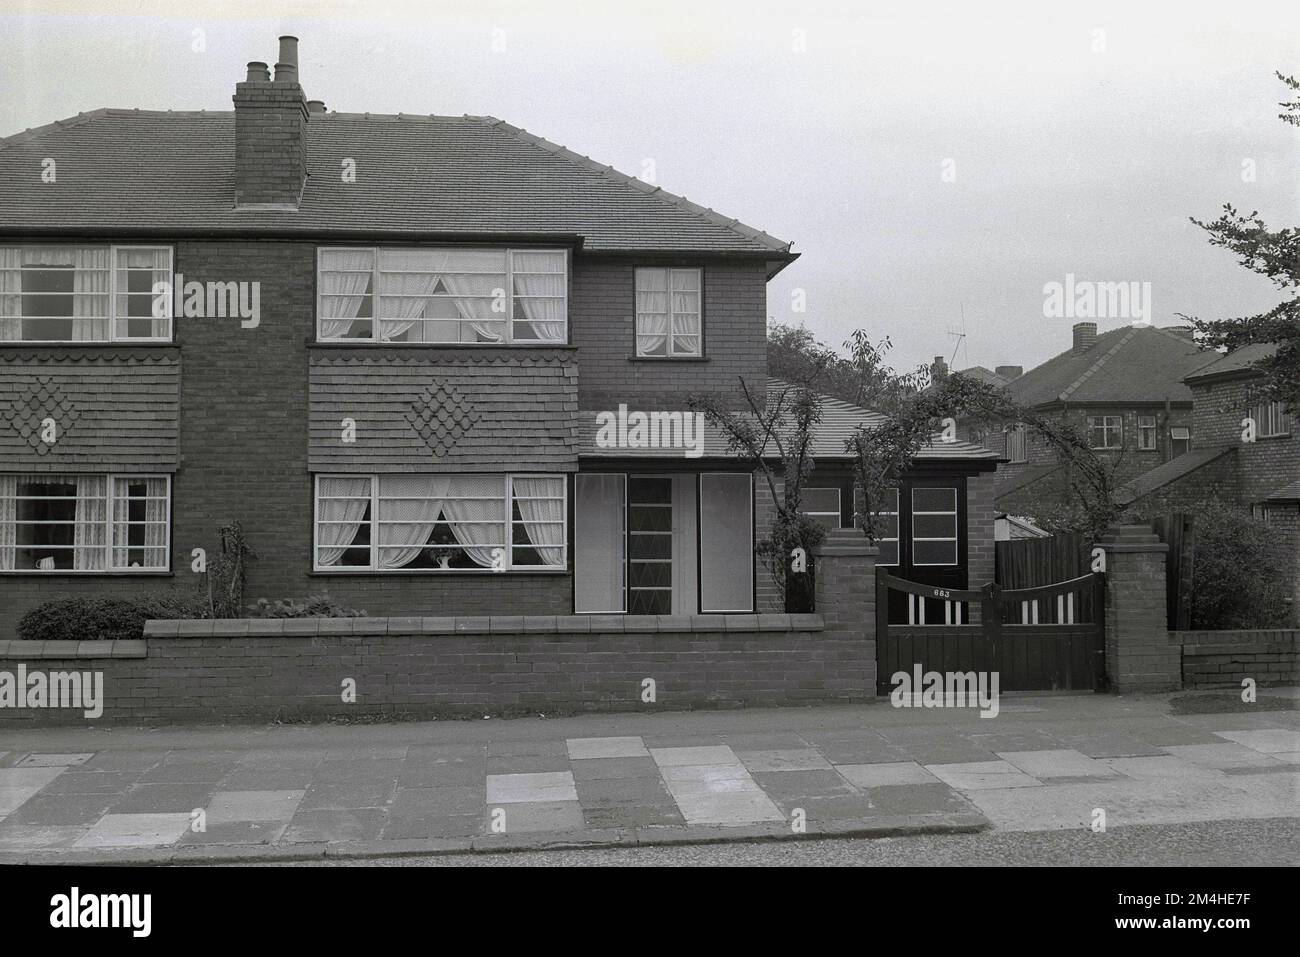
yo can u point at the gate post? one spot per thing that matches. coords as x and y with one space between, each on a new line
1139 655
844 589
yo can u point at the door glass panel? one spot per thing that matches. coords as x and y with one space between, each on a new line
726 542
649 546
598 557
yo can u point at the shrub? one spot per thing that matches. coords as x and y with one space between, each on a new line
1237 579
95 619
313 606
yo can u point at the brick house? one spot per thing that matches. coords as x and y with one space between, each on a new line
1263 474
1123 389
384 345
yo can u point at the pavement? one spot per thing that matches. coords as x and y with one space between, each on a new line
304 792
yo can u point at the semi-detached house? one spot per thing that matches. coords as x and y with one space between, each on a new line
386 346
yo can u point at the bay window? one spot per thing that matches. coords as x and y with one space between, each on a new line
668 315
442 294
71 293
441 522
84 523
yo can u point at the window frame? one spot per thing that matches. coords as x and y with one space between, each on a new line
110 480
1279 424
1153 428
956 527
507 527
636 322
837 515
1022 434
111 316
508 317
1105 430
898 530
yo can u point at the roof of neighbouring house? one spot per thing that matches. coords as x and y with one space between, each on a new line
1169 472
983 375
1022 527
839 421
1011 482
170 171
1239 362
1129 364
1287 493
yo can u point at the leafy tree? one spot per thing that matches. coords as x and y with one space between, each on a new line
1271 253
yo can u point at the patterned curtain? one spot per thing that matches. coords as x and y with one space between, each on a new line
90 282
90 517
344 276
408 511
652 319
11 303
541 506
475 511
343 501
539 286
8 520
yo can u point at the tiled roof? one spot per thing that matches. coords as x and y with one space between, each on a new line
982 374
1013 481
1287 493
1130 364
111 411
1235 362
839 421
495 413
1169 472
172 171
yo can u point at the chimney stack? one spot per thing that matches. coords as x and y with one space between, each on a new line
1010 372
939 370
271 133
1085 337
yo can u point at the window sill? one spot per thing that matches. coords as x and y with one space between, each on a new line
367 344
88 573
668 359
431 572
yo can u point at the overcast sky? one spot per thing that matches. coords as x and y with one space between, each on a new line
928 160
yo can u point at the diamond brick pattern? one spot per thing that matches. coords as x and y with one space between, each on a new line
30 408
441 416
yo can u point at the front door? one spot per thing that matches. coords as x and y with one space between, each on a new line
930 547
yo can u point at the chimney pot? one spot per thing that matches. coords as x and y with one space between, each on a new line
258 72
286 69
940 368
315 106
1085 336
1010 372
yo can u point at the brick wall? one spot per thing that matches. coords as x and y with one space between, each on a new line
467 666
1140 655
1263 465
1223 659
602 312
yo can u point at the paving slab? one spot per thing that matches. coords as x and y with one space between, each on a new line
531 788
254 833
883 775
827 808
1266 740
243 806
31 837
582 749
187 772
432 825
19 784
335 824
526 817
54 760
62 809
696 755
800 759
718 794
982 775
1222 755
268 779
158 798
594 769
527 763
1056 763
802 784
126 760
917 800
632 815
345 795
81 781
135 830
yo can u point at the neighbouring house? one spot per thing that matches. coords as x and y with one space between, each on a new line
386 345
1123 389
1245 450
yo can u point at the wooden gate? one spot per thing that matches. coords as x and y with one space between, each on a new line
1049 638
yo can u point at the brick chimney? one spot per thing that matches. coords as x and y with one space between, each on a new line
271 133
1085 337
1010 372
939 370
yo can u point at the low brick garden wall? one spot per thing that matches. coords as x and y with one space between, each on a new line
292 669
1221 659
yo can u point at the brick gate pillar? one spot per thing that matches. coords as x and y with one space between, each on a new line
1139 654
844 591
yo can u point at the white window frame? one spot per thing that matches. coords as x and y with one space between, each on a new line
896 539
636 332
1147 427
374 569
955 538
1106 428
110 480
1018 432
1271 421
508 317
837 515
113 292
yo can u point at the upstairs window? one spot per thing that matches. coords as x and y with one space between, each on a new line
1017 450
85 294
1271 420
1147 433
443 295
1180 437
669 322
1105 431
